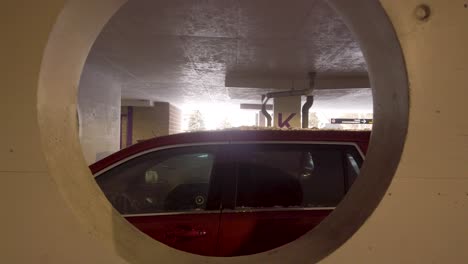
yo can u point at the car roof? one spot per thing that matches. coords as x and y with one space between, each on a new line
361 138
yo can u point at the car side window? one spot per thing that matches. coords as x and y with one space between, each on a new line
171 180
291 175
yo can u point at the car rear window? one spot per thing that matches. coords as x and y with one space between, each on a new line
291 175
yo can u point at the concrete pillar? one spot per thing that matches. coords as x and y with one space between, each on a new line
99 112
261 119
126 126
141 123
287 112
175 120
149 122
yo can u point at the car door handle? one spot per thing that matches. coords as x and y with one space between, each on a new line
192 233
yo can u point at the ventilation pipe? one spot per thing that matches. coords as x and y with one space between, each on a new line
264 110
309 101
305 111
305 108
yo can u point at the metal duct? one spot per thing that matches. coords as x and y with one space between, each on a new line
305 111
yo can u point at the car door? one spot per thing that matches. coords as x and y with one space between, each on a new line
282 192
171 195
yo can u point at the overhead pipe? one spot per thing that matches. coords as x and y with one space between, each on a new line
309 101
305 111
264 110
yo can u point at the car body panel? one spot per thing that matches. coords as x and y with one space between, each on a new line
194 233
245 232
270 182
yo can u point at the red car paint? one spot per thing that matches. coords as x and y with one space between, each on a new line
195 233
228 232
253 232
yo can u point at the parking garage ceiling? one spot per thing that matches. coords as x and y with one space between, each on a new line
183 51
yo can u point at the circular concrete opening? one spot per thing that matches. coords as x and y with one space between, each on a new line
129 65
71 40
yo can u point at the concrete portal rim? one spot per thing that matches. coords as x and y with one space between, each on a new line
58 132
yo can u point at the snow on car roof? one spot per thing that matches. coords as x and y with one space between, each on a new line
256 128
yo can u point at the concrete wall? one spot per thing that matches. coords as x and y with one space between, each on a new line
56 214
175 120
99 112
149 122
141 123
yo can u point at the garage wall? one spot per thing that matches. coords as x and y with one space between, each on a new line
150 122
175 120
99 99
147 122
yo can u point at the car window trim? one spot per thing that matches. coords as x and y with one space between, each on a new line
347 143
238 210
224 143
228 143
194 212
97 174
277 209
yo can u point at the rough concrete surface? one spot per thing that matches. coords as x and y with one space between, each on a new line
56 214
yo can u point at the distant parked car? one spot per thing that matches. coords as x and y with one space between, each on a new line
231 193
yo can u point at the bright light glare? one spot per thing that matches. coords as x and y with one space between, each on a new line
227 115
219 115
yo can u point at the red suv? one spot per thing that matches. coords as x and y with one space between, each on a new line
231 193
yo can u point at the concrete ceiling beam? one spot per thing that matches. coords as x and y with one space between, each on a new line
137 102
321 82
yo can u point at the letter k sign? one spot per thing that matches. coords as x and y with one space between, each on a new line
284 123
